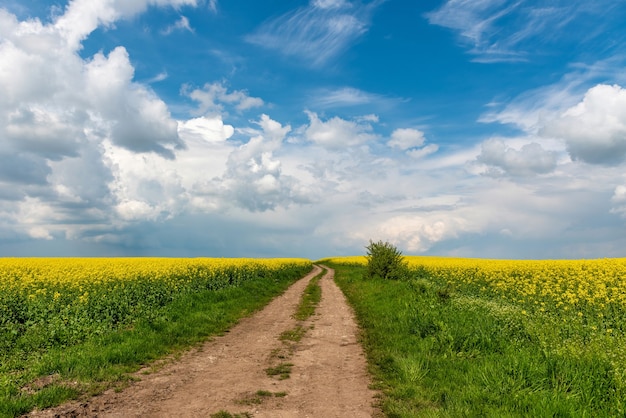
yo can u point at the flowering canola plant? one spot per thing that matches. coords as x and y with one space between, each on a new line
593 290
60 300
548 330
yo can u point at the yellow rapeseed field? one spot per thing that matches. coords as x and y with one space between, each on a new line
63 299
40 277
594 290
552 332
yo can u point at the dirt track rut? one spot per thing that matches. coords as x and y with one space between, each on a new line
328 375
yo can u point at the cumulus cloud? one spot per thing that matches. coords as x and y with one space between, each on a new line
589 120
59 112
619 200
23 169
417 233
530 159
133 115
82 17
337 132
205 129
55 100
254 179
147 190
595 128
50 134
411 141
88 153
406 138
148 187
212 97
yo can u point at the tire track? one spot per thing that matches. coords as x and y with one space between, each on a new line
228 374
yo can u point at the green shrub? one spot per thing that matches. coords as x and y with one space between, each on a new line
385 261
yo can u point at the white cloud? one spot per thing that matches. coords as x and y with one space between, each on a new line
531 110
368 118
158 78
411 141
530 159
132 114
47 133
406 138
619 196
151 187
499 30
619 200
346 96
131 210
181 24
39 233
412 232
81 17
595 128
329 4
87 153
588 118
210 176
59 112
254 178
418 153
316 33
213 96
55 99
205 129
337 132
475 21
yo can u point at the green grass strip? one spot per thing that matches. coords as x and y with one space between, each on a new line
283 370
437 352
106 361
310 298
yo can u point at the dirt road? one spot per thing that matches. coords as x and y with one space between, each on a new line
253 371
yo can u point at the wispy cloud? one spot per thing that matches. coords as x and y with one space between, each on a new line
316 33
585 111
346 97
350 97
499 30
530 110
158 78
181 24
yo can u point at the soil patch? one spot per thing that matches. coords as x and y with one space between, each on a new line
321 374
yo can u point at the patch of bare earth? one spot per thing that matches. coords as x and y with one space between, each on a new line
253 370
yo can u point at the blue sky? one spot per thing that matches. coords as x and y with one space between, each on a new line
480 128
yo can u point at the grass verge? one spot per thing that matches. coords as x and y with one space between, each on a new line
49 377
436 352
